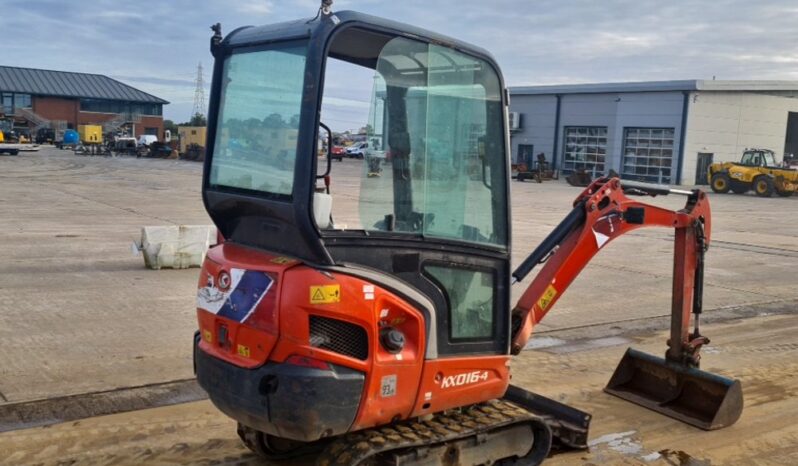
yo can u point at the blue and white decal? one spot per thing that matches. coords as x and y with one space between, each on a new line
239 301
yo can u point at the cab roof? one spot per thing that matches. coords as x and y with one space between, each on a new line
315 27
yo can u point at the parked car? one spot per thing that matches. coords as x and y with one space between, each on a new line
338 153
357 150
147 139
125 145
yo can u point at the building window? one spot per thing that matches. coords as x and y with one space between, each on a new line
10 102
22 101
120 106
7 102
585 149
151 131
648 154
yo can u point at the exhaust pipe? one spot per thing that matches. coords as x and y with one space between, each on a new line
699 398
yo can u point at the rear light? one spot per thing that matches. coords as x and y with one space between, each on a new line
222 335
305 361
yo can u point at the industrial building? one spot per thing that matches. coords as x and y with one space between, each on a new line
662 131
35 99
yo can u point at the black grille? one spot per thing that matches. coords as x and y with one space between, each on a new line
339 337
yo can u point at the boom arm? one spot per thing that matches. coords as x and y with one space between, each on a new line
602 213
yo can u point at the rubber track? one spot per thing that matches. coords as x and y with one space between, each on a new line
355 448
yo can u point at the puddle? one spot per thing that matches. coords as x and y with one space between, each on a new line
544 342
621 442
653 456
585 345
626 443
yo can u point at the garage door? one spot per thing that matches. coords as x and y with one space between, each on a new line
585 149
648 154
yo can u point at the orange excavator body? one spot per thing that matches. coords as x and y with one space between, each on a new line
394 339
278 331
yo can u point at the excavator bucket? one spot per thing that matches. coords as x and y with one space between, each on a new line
699 398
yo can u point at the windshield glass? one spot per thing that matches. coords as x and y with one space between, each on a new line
434 162
758 158
769 159
256 137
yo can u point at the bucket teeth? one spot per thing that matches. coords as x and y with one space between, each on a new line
699 398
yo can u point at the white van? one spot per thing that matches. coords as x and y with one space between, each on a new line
147 139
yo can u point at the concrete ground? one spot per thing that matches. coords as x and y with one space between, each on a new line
81 314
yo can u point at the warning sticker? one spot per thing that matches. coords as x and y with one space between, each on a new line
325 294
548 295
207 335
281 260
243 350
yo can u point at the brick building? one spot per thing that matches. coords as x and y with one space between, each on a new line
37 99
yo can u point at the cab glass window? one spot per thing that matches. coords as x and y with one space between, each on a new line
470 297
258 124
433 162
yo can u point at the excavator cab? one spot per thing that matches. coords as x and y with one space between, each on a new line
435 218
318 317
375 324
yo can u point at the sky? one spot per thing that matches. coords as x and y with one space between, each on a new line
155 45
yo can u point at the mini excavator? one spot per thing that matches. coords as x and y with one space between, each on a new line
390 341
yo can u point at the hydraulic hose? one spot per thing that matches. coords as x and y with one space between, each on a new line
574 219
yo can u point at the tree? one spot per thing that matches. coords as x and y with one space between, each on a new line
275 120
198 120
170 125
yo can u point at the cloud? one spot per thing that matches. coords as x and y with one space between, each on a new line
256 7
120 15
156 46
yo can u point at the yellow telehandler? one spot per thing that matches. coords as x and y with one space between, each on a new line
757 171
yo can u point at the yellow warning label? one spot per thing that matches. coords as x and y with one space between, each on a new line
325 294
281 260
548 295
243 350
207 335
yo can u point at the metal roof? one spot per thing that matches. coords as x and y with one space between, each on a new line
68 84
660 86
250 35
